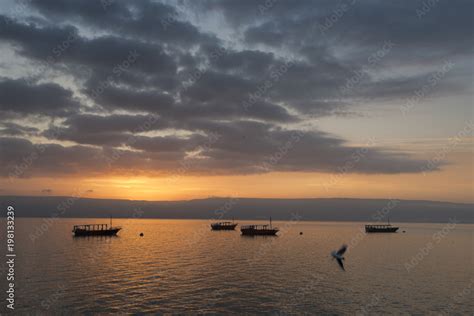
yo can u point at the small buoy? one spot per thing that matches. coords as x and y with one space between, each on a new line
301 233
404 231
141 234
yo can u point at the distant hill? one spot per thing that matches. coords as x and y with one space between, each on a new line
334 209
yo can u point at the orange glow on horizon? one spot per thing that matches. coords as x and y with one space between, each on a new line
447 185
453 183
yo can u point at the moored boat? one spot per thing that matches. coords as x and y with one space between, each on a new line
381 228
223 226
95 230
259 230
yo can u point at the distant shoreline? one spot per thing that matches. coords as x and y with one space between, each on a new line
237 220
319 209
230 197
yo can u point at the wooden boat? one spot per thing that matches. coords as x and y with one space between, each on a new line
381 228
259 230
95 230
223 226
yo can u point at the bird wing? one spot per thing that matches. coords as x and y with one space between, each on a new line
341 264
341 251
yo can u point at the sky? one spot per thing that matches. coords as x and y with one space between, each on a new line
169 100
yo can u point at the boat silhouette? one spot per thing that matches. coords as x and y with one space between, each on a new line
381 228
224 225
259 230
95 230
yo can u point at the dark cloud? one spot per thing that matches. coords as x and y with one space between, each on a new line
21 96
146 19
113 97
108 130
165 144
436 25
21 158
45 43
264 34
114 123
246 12
244 62
13 129
108 59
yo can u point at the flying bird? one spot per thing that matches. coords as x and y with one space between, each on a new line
338 256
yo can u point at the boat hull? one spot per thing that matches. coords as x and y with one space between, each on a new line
381 230
259 232
105 232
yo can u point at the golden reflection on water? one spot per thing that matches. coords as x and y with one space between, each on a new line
183 266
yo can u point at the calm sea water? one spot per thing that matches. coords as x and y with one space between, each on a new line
180 266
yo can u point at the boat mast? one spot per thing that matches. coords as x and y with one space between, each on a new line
111 221
270 222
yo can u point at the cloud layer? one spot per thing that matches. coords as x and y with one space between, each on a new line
149 87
